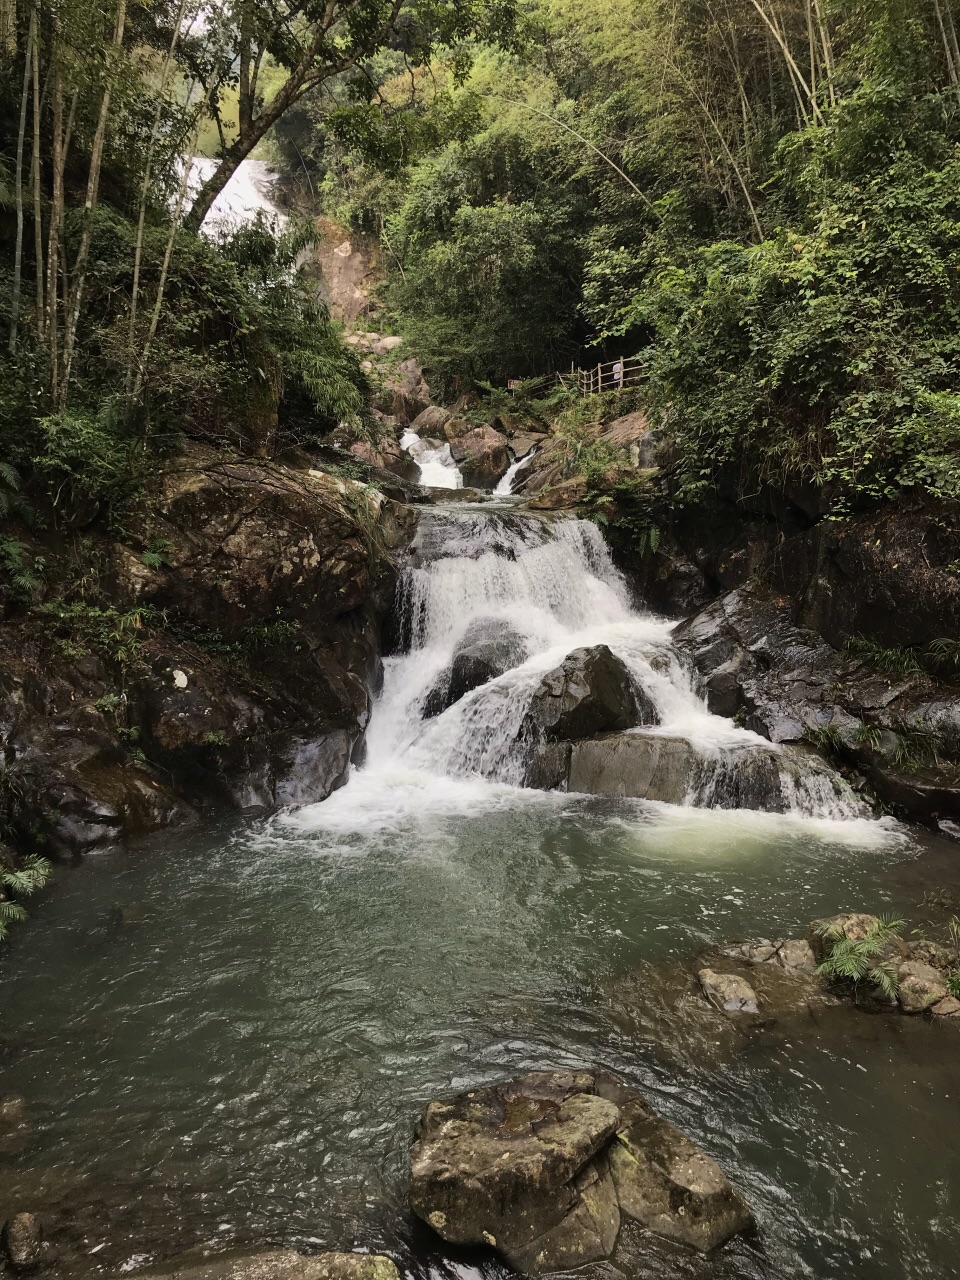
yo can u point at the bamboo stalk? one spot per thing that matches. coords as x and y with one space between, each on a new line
18 183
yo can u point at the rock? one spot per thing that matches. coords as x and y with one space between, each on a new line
787 683
405 393
855 925
387 455
563 495
544 1168
728 992
634 765
796 956
273 1264
483 457
934 953
431 422
669 1186
15 1129
500 1166
590 693
523 444
948 1007
488 648
920 987
23 1241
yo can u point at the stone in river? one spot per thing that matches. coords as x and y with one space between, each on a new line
544 1169
728 991
23 1241
273 1264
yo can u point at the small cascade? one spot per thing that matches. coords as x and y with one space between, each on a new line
438 470
550 586
505 488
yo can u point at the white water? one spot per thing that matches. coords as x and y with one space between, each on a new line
555 585
246 195
438 470
505 488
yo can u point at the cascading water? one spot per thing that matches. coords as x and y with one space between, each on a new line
553 584
505 488
438 470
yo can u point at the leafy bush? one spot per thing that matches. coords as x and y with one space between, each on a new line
31 874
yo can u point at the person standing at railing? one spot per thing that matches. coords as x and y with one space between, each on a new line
618 374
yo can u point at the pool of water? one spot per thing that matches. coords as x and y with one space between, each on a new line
229 1035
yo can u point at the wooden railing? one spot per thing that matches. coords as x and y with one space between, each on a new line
614 375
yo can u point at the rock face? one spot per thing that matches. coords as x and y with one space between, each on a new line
588 694
273 1264
387 455
489 648
405 393
544 1168
234 668
901 732
921 986
482 455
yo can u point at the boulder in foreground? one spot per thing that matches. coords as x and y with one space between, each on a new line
273 1264
545 1168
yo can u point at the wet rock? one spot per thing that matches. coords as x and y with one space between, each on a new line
544 1169
796 956
23 1241
273 1264
489 648
16 1131
728 991
669 1186
483 456
500 1166
940 957
920 986
948 1007
787 683
589 693
634 765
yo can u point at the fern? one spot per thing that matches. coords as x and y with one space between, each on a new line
853 959
893 662
32 874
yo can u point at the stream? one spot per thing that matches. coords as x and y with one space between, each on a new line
227 1035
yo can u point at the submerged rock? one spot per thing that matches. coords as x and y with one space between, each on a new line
273 1264
15 1129
543 1168
590 693
23 1241
728 991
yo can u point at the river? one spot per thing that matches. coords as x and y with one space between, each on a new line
227 1035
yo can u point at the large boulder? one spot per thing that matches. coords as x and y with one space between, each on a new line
385 454
544 1168
405 393
483 457
273 1264
489 648
591 692
634 765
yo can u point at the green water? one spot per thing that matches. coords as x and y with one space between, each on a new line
244 1057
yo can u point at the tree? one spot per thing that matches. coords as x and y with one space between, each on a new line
313 42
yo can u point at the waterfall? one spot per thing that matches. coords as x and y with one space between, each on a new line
553 585
438 470
505 488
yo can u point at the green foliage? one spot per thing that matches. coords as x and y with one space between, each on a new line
854 960
115 635
260 640
892 662
24 571
25 878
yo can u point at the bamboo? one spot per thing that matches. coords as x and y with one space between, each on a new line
18 183
89 204
37 179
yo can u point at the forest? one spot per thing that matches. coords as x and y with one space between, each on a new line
479 639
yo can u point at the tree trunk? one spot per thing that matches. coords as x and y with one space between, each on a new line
37 180
18 183
93 186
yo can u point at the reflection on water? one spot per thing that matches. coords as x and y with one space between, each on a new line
246 1061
